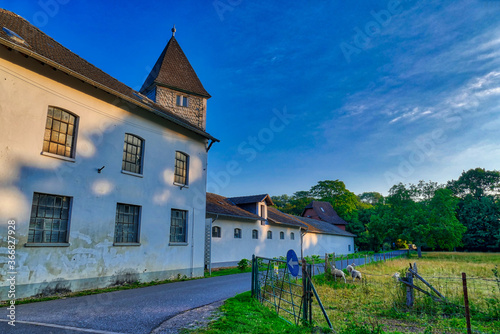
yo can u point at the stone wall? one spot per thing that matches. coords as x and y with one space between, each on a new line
194 113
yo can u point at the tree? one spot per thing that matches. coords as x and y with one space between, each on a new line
372 198
477 183
294 204
343 201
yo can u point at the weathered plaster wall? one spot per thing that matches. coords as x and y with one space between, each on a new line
26 90
319 244
229 249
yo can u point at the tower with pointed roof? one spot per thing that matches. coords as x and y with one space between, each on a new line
173 84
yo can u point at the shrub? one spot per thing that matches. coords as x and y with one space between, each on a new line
243 264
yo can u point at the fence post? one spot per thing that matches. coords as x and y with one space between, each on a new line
305 307
253 276
466 302
409 290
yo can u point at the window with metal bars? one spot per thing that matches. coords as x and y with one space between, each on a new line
127 223
237 233
132 154
216 232
60 131
181 168
178 226
49 221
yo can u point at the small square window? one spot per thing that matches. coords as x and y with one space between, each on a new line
216 232
237 233
182 101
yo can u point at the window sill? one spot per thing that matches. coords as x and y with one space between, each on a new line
47 244
57 156
126 243
181 185
178 244
132 174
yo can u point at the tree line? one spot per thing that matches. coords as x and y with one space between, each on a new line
462 214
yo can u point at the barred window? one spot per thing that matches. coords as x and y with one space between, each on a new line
49 220
127 223
60 131
282 235
269 234
132 154
237 233
292 236
181 168
255 234
216 232
178 226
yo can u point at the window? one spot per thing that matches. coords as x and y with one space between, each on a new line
60 131
178 226
292 236
263 211
216 232
49 220
282 235
182 101
237 233
269 234
181 168
349 247
127 223
255 234
132 154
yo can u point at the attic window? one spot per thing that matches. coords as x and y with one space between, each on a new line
322 209
182 101
15 37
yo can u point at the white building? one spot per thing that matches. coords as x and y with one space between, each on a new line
239 227
102 184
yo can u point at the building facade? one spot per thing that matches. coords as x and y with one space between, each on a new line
102 184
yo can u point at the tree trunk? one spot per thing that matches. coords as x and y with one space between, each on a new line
419 251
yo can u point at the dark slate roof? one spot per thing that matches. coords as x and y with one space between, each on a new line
276 216
251 199
220 205
36 44
318 226
328 214
173 70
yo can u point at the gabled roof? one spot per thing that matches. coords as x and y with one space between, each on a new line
325 212
280 218
318 226
251 199
32 42
173 70
220 205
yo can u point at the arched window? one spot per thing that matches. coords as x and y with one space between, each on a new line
255 234
60 132
282 235
237 233
292 236
269 234
216 232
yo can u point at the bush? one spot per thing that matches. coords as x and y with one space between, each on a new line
243 264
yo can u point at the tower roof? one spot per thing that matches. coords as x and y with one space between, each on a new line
173 70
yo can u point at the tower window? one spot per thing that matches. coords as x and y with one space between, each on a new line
182 101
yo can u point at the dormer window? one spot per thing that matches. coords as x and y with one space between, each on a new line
182 101
263 210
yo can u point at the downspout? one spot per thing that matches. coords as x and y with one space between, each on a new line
192 249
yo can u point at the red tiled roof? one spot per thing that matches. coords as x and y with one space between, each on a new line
173 70
318 226
46 50
220 205
325 212
281 218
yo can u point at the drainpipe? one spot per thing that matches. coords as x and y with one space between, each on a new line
192 249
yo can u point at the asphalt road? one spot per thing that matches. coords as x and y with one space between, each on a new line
129 311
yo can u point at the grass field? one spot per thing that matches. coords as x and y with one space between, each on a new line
377 304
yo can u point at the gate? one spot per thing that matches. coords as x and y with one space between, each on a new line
291 297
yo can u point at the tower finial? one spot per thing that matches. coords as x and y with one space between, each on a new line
173 31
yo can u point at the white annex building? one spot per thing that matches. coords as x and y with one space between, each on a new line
102 183
239 227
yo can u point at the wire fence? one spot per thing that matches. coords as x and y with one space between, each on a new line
379 301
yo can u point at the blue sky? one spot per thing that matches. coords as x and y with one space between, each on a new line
370 93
